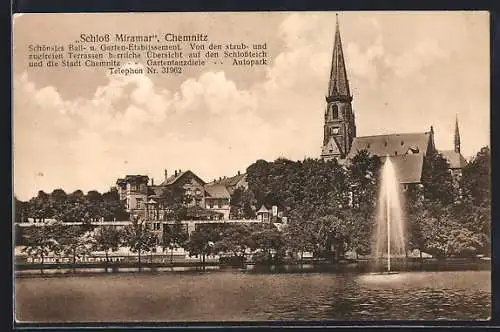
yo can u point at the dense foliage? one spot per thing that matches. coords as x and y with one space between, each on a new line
74 207
330 210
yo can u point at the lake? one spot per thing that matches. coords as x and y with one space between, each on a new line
235 295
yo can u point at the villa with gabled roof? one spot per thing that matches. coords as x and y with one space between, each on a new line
142 197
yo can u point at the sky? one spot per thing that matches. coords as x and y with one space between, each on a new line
83 129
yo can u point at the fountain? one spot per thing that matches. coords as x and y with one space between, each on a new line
389 232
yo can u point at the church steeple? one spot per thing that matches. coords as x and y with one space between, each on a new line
457 136
339 128
338 86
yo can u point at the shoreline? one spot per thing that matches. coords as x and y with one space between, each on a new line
428 265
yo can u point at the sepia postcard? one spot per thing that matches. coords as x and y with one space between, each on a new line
251 166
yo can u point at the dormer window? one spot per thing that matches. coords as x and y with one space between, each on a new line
412 150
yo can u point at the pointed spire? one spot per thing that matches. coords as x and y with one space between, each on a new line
338 85
457 136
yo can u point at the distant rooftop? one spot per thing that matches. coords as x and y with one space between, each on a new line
178 175
231 181
217 190
455 159
391 144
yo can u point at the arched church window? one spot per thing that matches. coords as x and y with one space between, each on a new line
335 112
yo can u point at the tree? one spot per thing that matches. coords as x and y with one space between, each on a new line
444 225
476 219
363 179
139 237
476 179
417 219
268 240
76 196
334 232
57 199
437 180
113 208
39 207
20 208
94 206
40 241
73 240
175 200
234 240
445 237
360 224
305 191
241 204
108 238
202 240
174 237
299 237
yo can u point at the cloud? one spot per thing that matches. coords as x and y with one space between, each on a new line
413 61
130 125
363 62
210 124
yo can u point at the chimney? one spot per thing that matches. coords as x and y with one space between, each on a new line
179 171
239 173
220 178
175 173
166 175
152 181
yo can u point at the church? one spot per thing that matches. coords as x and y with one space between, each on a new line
340 140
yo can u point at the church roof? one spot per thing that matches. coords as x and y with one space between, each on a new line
338 86
406 150
455 159
331 148
391 144
408 167
217 191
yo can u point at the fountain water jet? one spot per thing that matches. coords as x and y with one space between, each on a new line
389 232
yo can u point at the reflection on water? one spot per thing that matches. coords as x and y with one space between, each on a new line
233 295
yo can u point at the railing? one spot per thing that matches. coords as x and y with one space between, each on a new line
126 222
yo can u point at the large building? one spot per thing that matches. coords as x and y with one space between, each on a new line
204 200
407 150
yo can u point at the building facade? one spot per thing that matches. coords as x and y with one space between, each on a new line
407 150
133 190
339 127
211 201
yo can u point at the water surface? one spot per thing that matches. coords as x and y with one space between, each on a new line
233 295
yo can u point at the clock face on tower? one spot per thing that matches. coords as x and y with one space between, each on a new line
339 126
